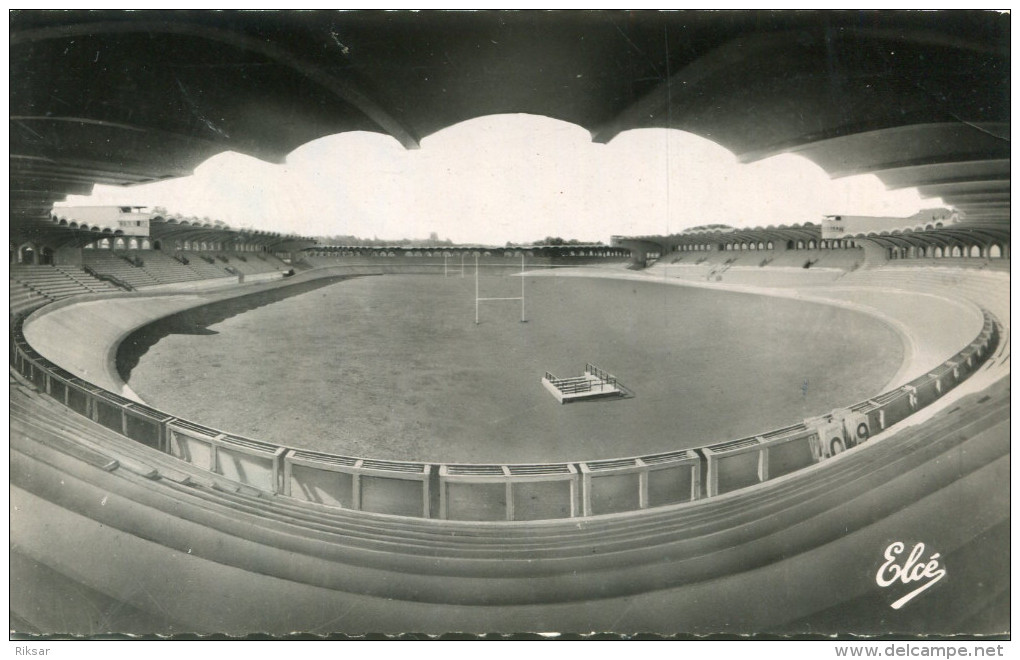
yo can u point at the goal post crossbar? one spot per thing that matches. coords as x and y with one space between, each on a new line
446 268
479 299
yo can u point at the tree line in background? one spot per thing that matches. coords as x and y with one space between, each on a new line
434 241
556 240
356 241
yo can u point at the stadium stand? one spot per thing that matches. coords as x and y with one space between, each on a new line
56 282
176 526
842 259
207 266
296 492
998 265
254 265
108 263
158 268
23 299
254 494
88 281
165 269
283 490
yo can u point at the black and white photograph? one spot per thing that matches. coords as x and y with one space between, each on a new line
510 324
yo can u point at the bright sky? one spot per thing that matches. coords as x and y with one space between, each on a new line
512 178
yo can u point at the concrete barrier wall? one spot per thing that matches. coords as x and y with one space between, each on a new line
144 428
928 390
202 285
108 414
895 406
475 501
790 454
58 390
388 487
78 401
876 418
247 467
964 363
543 500
321 486
493 493
673 485
507 492
946 375
38 377
616 485
194 449
395 496
613 493
737 471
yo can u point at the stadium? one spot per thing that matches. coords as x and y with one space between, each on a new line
791 429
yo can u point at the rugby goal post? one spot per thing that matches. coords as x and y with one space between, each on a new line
446 267
479 299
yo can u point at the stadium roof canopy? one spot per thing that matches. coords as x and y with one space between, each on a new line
919 99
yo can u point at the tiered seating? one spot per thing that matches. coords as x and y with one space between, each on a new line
159 268
999 265
712 266
842 259
711 258
93 284
771 277
251 264
59 282
167 270
47 280
989 289
108 263
23 299
156 268
31 286
205 269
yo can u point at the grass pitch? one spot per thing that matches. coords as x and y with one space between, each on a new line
394 367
